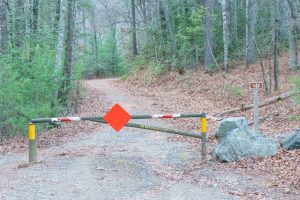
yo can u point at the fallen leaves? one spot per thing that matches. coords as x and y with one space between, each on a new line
198 92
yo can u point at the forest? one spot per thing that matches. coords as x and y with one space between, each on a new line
48 46
65 65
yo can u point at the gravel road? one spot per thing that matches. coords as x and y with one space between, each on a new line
131 164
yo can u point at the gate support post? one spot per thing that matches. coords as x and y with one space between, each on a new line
203 139
32 143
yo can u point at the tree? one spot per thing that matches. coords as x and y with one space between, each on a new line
20 24
250 32
3 27
225 16
208 36
276 64
33 27
293 36
283 21
60 34
95 38
60 30
134 40
68 63
163 29
142 5
35 16
233 20
171 31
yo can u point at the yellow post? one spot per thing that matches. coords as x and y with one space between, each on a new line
32 143
203 139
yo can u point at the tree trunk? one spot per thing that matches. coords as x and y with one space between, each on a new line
20 24
68 64
276 64
84 35
57 16
186 8
274 6
144 10
34 29
3 27
114 51
171 29
60 35
292 36
163 26
225 16
283 31
95 42
35 14
95 38
250 32
262 104
208 36
134 40
233 20
11 24
154 38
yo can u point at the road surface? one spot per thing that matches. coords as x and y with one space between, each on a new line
131 164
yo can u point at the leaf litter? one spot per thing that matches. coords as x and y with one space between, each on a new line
215 92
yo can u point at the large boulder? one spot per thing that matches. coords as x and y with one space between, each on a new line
241 143
292 141
229 124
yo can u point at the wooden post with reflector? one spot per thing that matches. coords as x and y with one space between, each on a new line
203 139
32 143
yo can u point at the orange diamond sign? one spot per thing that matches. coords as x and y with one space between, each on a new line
117 117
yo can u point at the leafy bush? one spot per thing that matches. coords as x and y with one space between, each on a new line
294 117
27 90
234 91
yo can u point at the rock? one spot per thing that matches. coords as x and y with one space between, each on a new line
244 143
279 137
292 141
228 124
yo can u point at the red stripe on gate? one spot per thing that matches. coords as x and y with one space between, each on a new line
167 116
64 119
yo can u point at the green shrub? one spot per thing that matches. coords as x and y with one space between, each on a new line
156 69
26 90
234 91
296 81
294 117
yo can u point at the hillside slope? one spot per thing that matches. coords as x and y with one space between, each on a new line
213 93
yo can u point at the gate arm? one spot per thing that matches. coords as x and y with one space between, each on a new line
93 118
154 128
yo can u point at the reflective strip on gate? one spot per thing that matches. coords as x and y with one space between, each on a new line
65 119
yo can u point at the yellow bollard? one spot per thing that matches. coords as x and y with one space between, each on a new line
203 139
32 143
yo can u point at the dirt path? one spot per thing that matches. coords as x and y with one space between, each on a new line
132 164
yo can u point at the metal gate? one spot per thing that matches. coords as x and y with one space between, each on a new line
101 119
